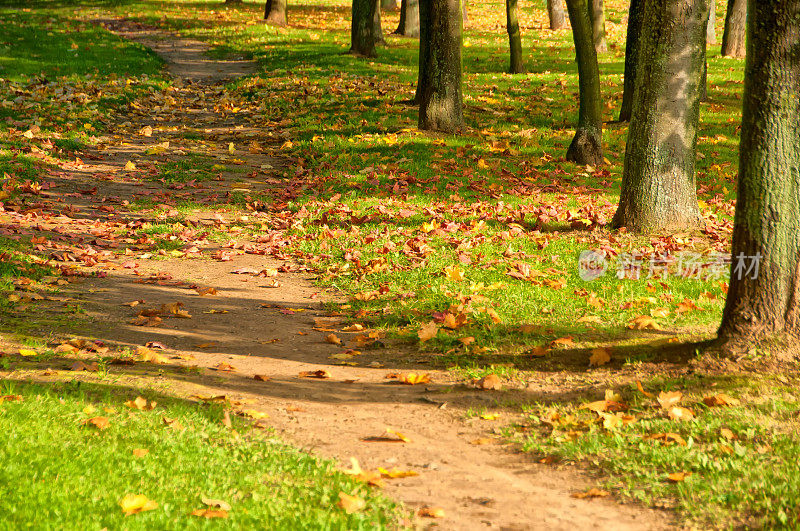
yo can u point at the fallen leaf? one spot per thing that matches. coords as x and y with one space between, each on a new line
100 423
641 390
210 513
136 503
720 399
262 378
594 492
225 367
219 504
320 373
333 339
140 452
396 473
643 322
490 416
680 413
206 291
599 356
25 352
677 477
350 504
141 404
489 382
431 512
669 399
149 355
454 273
428 331
412 378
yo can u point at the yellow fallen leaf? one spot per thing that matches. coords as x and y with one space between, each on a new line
136 503
643 322
599 356
413 378
490 416
27 352
350 504
677 477
210 513
428 331
454 273
140 452
431 512
680 413
130 166
396 473
140 403
667 399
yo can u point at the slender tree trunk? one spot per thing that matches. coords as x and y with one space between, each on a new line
733 38
555 12
598 16
465 17
587 145
704 77
764 305
514 38
441 100
409 19
711 30
424 54
275 12
362 29
376 20
631 57
658 182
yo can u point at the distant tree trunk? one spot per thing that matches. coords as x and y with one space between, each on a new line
228 2
388 5
441 100
711 31
275 12
409 19
733 41
658 182
631 57
376 20
763 306
424 54
587 145
465 18
514 38
598 17
704 77
555 12
362 29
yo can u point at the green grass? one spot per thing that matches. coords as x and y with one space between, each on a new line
60 471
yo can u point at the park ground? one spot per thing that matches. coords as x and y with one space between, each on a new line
222 242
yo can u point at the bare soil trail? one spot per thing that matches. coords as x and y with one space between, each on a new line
275 326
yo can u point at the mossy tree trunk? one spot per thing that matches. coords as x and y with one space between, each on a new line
275 12
439 87
409 19
598 17
658 182
555 13
631 57
514 38
763 307
587 145
362 29
733 38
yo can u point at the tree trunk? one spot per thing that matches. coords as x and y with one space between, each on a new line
711 29
362 29
631 57
229 2
409 19
587 145
376 20
514 38
658 182
764 305
704 77
598 18
441 99
275 12
388 5
465 18
733 44
555 12
424 55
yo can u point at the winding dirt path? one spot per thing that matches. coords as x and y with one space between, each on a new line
278 332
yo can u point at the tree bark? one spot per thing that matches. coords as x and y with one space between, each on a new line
275 12
555 12
388 5
711 29
658 181
765 307
514 38
587 145
733 38
465 17
441 100
409 19
376 21
362 29
631 57
598 17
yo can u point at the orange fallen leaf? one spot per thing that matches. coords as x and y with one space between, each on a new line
412 378
667 399
643 322
321 374
538 351
428 331
720 399
680 413
210 513
206 291
333 339
599 356
641 390
262 378
141 404
431 512
350 504
225 367
100 423
396 473
489 382
140 452
150 355
677 477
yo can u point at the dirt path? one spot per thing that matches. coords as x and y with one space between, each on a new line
251 328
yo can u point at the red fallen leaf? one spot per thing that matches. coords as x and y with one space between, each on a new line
262 378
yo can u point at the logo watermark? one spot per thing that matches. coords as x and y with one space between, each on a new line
595 264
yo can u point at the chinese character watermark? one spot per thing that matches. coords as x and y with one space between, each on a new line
697 266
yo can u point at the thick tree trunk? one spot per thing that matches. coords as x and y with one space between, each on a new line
376 20
733 37
409 19
275 12
514 38
764 305
631 57
441 100
388 5
555 12
598 16
587 145
362 29
658 182
711 29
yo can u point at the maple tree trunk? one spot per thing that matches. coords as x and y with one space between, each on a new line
631 57
362 29
555 13
586 147
514 37
409 18
598 18
711 33
376 21
733 37
275 12
658 182
441 100
765 306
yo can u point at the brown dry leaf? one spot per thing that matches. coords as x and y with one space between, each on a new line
225 367
172 423
206 291
412 378
333 339
217 504
562 342
65 347
728 434
140 452
136 503
320 373
431 512
83 366
142 320
599 356
428 331
677 477
226 419
594 492
100 423
667 438
680 413
205 345
466 341
210 513
489 382
667 399
720 399
350 504
262 378
539 351
353 328
643 322
141 404
148 355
